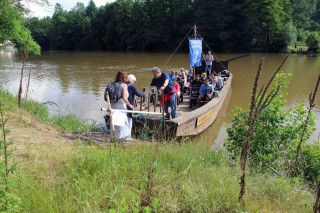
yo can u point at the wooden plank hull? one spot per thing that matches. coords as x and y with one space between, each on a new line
200 119
187 124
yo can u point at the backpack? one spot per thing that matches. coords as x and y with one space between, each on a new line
115 92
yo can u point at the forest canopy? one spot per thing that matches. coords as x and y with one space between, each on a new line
160 25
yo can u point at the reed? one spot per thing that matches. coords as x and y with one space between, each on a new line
258 103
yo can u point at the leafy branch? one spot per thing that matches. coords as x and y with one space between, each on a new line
5 168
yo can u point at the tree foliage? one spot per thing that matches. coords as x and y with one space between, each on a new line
12 25
313 41
226 25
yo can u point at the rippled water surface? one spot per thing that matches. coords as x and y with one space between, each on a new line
76 80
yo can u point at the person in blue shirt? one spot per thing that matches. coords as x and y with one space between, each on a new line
161 80
209 93
132 90
206 92
172 76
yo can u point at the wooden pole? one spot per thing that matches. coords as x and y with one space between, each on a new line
155 101
231 59
194 73
149 96
195 36
111 124
163 115
160 105
140 103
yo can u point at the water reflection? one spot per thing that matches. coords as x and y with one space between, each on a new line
76 80
7 54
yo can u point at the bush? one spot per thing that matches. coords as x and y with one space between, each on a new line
276 134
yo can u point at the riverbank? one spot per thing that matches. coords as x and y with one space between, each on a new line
59 175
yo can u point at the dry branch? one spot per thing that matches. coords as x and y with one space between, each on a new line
48 102
255 109
245 150
311 105
24 59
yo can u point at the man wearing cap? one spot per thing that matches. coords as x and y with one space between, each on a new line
161 80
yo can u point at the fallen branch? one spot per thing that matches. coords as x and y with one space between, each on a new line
275 171
48 102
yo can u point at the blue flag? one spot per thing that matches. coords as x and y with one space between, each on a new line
195 46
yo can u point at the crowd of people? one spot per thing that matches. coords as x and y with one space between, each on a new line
172 87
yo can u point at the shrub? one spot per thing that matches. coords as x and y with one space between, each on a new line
276 134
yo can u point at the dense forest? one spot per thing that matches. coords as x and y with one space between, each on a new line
160 25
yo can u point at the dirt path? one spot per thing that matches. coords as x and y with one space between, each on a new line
32 137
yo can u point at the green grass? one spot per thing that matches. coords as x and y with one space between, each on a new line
297 49
183 177
178 177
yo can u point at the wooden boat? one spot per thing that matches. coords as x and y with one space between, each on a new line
189 121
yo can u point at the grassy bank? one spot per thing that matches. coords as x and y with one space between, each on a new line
297 49
58 175
183 177
62 123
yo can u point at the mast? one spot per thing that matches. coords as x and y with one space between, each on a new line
195 31
195 37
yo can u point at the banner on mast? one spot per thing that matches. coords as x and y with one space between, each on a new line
195 50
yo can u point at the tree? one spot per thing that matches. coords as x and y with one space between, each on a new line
60 29
302 11
268 20
236 33
41 29
91 9
11 24
315 18
313 41
117 35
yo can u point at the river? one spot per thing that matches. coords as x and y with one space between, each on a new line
76 80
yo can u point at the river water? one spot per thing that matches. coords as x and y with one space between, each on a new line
76 80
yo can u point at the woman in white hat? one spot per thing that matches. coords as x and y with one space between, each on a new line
132 93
